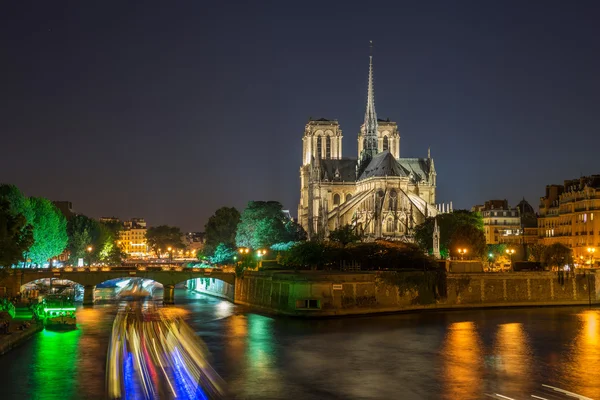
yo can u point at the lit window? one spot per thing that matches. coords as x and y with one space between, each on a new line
319 147
385 143
336 199
328 147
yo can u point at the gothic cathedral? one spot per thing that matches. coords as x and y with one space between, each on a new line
379 193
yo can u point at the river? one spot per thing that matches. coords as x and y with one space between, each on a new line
455 355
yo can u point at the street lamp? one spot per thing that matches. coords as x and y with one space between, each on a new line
462 252
89 250
510 253
170 253
591 250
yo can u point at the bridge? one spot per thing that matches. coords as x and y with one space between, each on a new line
89 277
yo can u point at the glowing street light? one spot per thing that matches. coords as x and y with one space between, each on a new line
591 251
510 253
89 250
462 252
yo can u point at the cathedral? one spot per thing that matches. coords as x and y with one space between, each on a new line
380 194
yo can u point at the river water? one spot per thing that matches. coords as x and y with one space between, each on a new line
454 355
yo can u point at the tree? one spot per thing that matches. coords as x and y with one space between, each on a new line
344 235
83 232
295 232
447 223
160 238
467 237
557 255
109 250
16 236
221 228
536 252
223 254
262 224
18 204
49 231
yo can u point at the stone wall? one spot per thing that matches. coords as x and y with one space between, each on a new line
330 293
213 287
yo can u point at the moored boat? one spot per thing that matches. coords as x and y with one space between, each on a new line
59 313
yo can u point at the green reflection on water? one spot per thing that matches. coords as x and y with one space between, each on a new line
260 340
54 366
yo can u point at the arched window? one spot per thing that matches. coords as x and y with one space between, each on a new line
393 199
319 147
364 143
336 199
390 225
328 147
348 197
386 145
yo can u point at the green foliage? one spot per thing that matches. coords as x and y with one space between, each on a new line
557 255
426 286
283 246
18 203
221 228
535 252
82 232
49 231
496 250
447 223
295 232
223 254
262 224
467 237
345 234
109 250
371 256
16 236
162 237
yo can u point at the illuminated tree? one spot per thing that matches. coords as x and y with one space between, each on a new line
49 231
536 252
221 228
16 236
223 254
262 224
18 204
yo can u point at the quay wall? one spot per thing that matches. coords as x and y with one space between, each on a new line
322 293
16 338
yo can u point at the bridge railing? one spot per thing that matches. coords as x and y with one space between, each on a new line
173 268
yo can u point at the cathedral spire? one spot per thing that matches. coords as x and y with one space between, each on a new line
370 133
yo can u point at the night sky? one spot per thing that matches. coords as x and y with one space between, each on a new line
169 110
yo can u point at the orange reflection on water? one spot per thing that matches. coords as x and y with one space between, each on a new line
513 358
582 366
463 363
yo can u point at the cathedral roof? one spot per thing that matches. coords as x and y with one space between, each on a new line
342 170
383 164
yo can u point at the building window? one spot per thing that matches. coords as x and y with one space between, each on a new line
390 225
348 197
386 144
319 147
328 147
336 199
364 144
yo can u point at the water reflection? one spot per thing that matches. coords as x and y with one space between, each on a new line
582 369
513 358
55 369
462 362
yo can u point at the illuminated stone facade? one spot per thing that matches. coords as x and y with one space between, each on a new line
570 214
132 238
379 193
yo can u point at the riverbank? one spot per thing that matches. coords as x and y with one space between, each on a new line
15 337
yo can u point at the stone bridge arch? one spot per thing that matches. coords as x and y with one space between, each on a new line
90 278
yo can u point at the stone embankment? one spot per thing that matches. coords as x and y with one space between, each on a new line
15 337
322 293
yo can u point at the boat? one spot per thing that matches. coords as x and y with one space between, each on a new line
59 313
